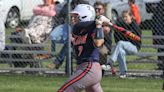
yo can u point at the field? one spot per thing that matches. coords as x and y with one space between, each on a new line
30 83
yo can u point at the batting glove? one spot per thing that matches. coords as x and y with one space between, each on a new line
105 19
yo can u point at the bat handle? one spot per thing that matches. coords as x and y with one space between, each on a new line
118 28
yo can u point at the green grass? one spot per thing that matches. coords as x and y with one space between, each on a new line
21 83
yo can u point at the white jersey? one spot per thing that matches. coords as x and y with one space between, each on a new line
2 35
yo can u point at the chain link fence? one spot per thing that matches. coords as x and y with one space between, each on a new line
35 43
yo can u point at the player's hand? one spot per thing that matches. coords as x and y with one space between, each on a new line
105 19
99 22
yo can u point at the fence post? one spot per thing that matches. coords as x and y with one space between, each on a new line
69 61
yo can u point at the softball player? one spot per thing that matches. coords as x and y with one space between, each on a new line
88 37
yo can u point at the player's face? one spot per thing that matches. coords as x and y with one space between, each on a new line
74 18
99 10
127 18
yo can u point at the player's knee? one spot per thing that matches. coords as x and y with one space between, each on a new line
120 43
122 52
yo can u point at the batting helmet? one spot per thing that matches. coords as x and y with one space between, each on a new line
86 12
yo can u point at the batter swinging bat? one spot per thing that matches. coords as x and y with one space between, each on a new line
127 33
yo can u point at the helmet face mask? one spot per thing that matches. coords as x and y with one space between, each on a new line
86 12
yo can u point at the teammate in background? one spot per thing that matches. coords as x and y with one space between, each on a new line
135 11
88 37
125 45
40 26
2 35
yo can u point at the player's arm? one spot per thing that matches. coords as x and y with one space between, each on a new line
99 34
